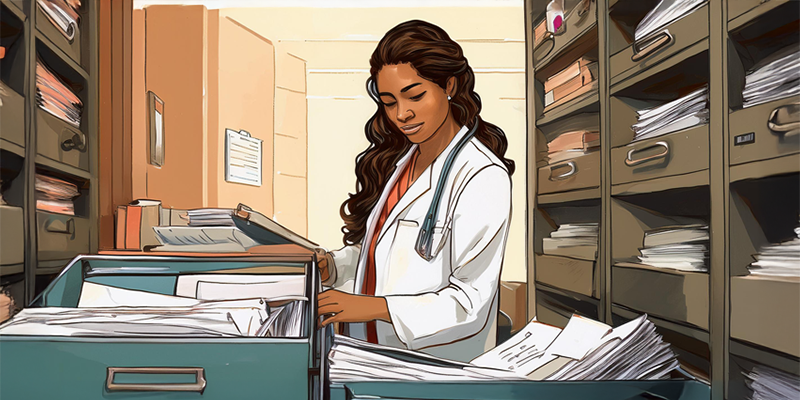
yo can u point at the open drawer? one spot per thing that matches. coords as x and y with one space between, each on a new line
127 364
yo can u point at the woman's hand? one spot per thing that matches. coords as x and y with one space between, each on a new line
324 263
345 307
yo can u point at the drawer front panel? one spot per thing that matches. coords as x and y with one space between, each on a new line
60 141
48 369
61 236
578 173
566 273
768 140
12 238
766 312
577 21
72 48
680 297
12 116
676 153
682 34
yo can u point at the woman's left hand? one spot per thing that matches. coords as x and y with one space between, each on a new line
345 307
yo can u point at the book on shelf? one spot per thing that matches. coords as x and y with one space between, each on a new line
683 248
587 74
584 350
135 223
583 90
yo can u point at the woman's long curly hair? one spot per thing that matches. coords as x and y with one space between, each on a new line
436 58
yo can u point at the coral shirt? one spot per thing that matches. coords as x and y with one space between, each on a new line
397 192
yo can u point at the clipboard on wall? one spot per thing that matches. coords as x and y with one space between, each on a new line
243 158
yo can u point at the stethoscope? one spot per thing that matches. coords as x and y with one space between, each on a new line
424 244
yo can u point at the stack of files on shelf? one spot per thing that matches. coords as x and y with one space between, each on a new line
573 240
583 350
683 113
684 248
55 195
769 383
778 260
570 83
665 13
210 217
214 239
54 97
569 145
776 77
63 14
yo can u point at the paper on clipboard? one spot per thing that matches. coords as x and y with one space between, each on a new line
242 158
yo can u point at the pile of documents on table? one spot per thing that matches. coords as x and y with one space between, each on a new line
782 259
776 77
769 383
63 14
569 145
115 312
55 195
683 113
573 240
665 13
683 248
570 83
54 97
583 350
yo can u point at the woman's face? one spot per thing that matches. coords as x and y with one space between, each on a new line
417 106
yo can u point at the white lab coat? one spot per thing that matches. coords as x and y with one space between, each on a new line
447 306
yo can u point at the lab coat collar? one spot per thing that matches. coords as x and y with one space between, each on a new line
422 184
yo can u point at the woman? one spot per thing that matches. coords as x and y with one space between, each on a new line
384 289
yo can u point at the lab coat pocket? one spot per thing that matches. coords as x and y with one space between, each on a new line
440 234
407 272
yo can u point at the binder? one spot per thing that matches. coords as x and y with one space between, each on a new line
266 231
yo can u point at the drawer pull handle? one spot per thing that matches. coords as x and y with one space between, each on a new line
572 171
785 120
198 386
59 226
629 161
76 142
651 45
584 7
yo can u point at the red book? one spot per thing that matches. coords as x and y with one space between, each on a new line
133 226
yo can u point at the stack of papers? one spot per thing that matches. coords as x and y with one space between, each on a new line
215 239
54 97
573 240
683 113
55 195
769 383
570 83
583 350
210 217
63 14
776 77
683 248
665 13
569 145
781 259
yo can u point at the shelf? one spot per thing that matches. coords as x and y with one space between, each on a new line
692 332
575 40
12 269
14 8
573 195
690 180
12 147
61 167
634 76
765 356
589 102
43 39
741 12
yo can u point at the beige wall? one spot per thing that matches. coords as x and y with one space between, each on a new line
337 58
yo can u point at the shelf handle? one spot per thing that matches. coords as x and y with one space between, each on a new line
58 226
631 162
572 171
785 120
76 142
199 373
651 45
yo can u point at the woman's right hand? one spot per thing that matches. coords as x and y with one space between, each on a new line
324 263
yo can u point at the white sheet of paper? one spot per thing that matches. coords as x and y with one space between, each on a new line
521 351
284 289
187 285
96 295
579 337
